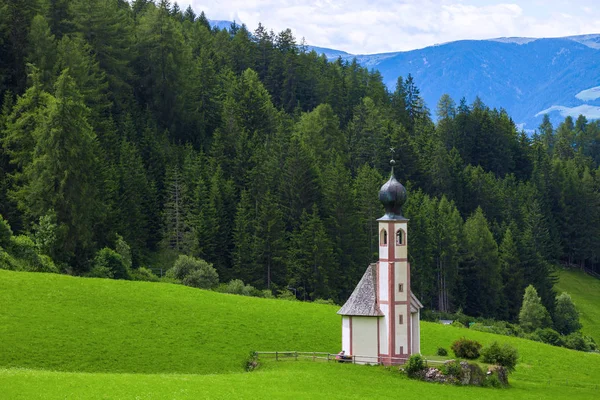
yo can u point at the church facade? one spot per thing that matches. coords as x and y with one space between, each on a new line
380 320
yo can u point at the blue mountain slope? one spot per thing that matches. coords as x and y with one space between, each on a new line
523 75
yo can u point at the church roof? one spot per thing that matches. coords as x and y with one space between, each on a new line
415 304
363 301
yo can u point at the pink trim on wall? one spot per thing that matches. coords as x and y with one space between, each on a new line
378 338
409 315
392 297
392 260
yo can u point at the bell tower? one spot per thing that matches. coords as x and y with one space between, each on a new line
393 276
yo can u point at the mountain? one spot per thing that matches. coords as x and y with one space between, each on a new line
526 76
221 24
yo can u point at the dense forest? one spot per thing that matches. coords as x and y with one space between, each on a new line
139 123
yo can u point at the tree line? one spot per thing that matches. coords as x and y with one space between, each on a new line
140 123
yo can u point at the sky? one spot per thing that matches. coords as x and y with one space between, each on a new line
378 26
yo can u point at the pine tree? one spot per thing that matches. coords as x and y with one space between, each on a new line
310 257
269 245
512 275
42 51
62 174
175 212
481 268
368 210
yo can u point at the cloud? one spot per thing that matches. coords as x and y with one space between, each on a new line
363 26
591 112
589 94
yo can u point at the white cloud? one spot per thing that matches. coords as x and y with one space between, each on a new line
589 94
363 26
588 111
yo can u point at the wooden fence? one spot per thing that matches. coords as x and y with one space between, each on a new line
322 356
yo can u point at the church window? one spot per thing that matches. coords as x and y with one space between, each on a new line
383 238
400 237
400 287
400 319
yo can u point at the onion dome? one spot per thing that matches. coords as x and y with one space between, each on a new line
393 196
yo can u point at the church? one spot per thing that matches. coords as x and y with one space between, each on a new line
380 320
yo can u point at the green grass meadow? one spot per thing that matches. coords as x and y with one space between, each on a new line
76 338
585 292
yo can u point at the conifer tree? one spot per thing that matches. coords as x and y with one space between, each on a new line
512 275
310 257
62 174
481 269
42 51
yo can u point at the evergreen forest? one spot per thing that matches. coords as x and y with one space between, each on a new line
137 124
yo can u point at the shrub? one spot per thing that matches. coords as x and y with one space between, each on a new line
566 316
458 324
143 274
533 314
286 295
414 365
550 336
576 341
204 275
24 250
504 355
324 301
204 278
7 261
267 294
5 233
452 368
442 351
100 271
237 286
108 262
466 348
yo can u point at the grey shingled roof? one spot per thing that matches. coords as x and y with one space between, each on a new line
363 301
415 304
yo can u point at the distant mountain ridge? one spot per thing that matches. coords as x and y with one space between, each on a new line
526 76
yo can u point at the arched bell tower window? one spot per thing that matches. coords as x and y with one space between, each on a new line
383 238
400 239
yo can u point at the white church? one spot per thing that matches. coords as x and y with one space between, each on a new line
380 320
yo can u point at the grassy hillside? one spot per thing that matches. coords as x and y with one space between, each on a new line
284 380
63 323
585 292
64 337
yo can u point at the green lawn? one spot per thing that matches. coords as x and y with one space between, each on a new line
282 380
585 292
75 338
62 323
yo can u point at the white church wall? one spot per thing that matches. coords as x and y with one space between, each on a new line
346 334
383 252
401 330
401 250
383 329
416 333
400 271
364 339
382 276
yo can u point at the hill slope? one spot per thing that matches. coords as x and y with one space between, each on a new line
97 325
120 339
585 292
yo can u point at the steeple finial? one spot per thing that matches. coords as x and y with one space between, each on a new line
392 194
